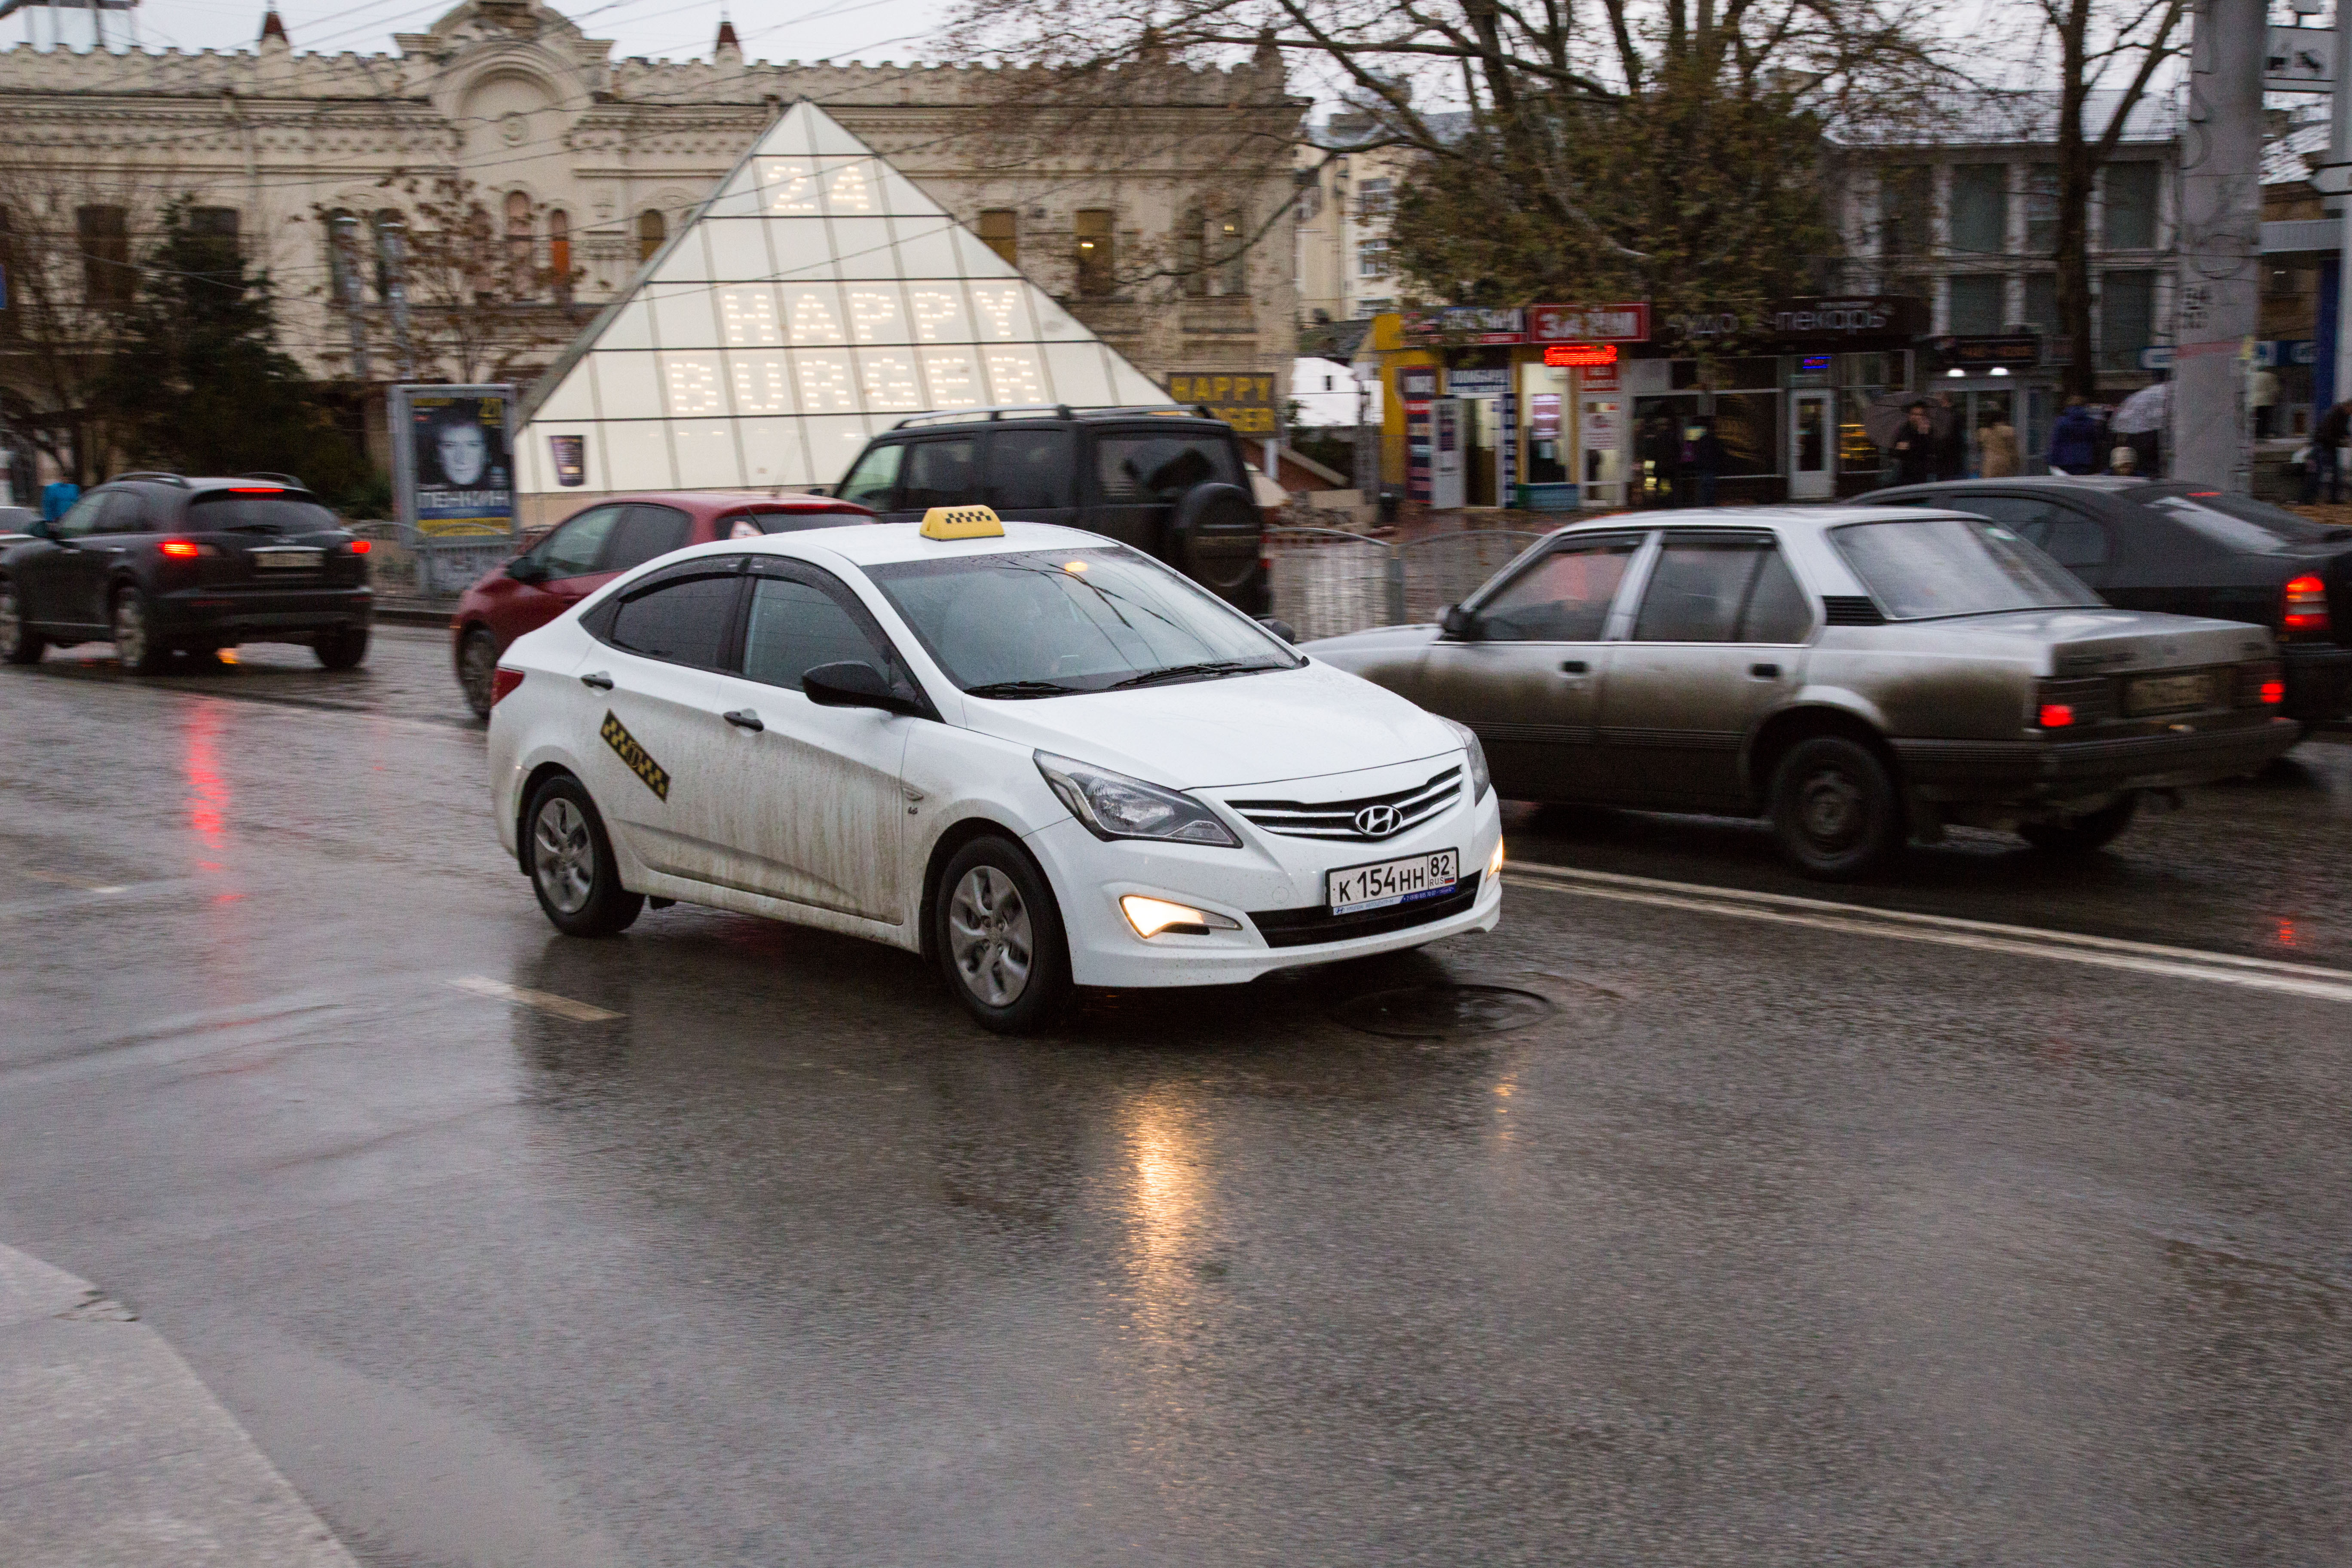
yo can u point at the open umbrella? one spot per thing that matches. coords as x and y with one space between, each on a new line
2149 408
1885 418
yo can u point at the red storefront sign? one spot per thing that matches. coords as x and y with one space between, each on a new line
1581 355
1627 321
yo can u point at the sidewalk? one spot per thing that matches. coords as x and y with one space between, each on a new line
113 1455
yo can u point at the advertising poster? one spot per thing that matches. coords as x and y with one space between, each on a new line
457 452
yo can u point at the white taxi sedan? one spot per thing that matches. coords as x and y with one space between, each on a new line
1039 757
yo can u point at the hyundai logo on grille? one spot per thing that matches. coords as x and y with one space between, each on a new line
1378 821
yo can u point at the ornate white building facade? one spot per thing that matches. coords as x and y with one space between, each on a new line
1158 212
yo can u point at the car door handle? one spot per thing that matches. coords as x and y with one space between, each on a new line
1573 667
1764 671
597 679
744 719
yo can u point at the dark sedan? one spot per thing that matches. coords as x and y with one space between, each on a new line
160 564
2189 551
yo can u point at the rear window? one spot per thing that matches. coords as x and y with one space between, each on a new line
1154 467
2242 523
1955 566
226 511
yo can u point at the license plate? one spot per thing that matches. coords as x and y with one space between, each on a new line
1405 881
286 560
2168 693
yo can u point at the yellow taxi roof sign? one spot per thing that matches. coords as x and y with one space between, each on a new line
962 523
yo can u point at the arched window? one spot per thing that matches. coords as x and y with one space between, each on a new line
1230 244
1191 253
391 239
558 252
651 231
519 246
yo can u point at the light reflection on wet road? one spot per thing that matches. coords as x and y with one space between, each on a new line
1741 1244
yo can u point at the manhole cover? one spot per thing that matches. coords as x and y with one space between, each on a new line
1443 1012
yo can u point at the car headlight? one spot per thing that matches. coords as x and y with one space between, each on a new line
1480 782
1113 805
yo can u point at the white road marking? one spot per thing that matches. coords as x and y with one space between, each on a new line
546 1002
1983 936
54 878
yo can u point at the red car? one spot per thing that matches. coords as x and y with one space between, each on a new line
590 548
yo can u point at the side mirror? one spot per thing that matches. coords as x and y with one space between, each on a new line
852 683
1460 623
1279 628
526 569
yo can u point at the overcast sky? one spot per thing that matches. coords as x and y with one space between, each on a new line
681 29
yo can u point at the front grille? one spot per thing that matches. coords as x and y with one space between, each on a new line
1338 819
1851 610
1300 928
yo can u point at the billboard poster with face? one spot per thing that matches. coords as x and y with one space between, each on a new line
452 470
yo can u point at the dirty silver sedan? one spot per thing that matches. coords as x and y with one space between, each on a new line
1859 676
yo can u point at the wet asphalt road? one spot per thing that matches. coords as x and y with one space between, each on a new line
1729 1242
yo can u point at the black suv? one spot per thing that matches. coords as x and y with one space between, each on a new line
1172 485
160 564
2147 544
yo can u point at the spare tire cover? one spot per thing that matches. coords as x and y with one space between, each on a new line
1214 537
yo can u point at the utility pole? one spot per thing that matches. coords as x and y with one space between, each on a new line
2217 306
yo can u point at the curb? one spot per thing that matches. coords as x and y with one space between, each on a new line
117 1456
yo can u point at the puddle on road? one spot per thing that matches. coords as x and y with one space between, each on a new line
1444 1012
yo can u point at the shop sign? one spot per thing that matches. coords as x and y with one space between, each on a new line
1417 382
1624 322
2272 352
1579 355
1857 316
2300 59
1245 402
2159 357
1598 378
2004 350
1470 324
1481 382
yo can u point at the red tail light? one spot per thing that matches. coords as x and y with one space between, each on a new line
503 680
2305 605
2056 715
359 547
179 549
2273 693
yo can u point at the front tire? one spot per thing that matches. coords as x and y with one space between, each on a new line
2085 834
570 858
998 936
135 643
1835 812
341 649
20 643
478 662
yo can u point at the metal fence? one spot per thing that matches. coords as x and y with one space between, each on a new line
1327 582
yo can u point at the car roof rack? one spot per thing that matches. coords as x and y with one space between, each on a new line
277 479
157 474
997 411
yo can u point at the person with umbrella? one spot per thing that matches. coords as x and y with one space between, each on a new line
2140 420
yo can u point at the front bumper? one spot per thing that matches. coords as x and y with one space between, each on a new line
256 613
1273 887
2022 772
2318 680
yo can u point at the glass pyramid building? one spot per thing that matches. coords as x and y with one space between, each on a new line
817 299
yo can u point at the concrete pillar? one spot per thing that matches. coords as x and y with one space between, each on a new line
2217 306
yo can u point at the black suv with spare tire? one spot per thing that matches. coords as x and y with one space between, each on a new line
160 564
1171 484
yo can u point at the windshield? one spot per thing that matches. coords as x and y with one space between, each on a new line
1046 624
225 512
2242 523
1955 566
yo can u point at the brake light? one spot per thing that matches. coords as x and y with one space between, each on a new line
2056 715
2304 606
358 547
259 491
503 680
2273 693
179 549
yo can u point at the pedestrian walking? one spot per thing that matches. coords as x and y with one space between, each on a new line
1662 456
1951 440
2075 440
1996 447
57 498
1915 448
1706 459
2262 391
2327 454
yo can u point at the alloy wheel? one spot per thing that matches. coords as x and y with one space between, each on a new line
989 936
130 632
563 856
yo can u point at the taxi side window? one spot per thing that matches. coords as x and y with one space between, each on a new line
791 626
682 620
1564 597
576 547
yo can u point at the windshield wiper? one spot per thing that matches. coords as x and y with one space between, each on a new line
1022 689
1191 671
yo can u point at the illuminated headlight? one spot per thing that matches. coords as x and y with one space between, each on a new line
1479 782
1113 805
1149 917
